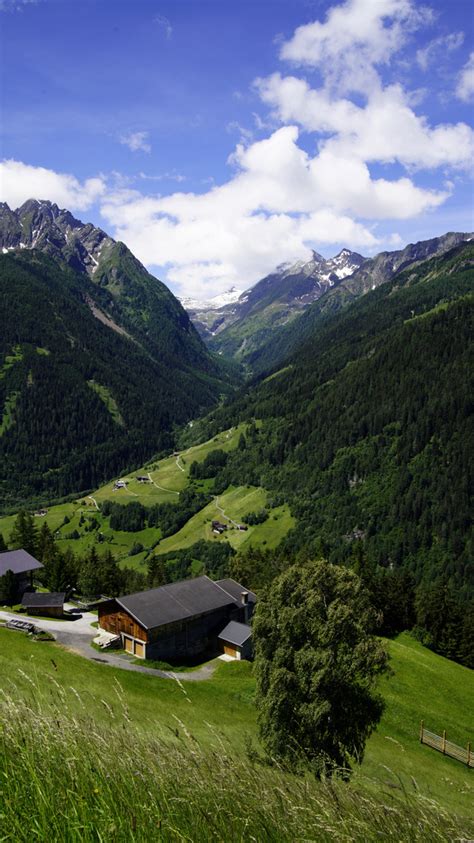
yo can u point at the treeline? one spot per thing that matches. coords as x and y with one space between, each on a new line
168 517
89 575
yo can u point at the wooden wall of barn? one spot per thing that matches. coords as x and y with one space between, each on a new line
114 619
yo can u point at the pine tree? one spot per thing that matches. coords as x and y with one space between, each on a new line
8 589
24 533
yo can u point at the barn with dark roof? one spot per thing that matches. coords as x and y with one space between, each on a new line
176 621
22 564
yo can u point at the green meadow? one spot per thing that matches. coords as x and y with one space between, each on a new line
217 716
167 478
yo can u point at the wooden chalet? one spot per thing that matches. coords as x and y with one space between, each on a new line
179 620
22 564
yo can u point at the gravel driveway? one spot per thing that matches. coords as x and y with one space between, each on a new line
77 635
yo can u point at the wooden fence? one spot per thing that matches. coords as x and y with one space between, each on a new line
440 742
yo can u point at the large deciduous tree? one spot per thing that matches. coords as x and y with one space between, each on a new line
316 666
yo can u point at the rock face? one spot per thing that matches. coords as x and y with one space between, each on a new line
55 232
137 302
385 265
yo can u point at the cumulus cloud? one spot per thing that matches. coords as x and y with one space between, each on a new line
136 141
355 37
280 201
385 129
354 175
465 84
19 182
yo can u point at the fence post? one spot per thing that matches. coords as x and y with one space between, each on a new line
469 754
422 724
444 742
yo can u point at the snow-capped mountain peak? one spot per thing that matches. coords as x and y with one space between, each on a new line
221 300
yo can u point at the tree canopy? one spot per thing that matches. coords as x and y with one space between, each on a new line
316 665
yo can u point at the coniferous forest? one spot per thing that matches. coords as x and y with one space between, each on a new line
82 400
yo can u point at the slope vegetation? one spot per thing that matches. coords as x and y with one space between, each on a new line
366 429
91 380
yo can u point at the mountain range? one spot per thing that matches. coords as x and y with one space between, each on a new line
271 317
98 360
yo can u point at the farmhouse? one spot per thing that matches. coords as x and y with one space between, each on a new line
218 527
50 604
22 564
179 620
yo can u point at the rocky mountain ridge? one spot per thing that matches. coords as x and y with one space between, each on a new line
54 231
283 293
291 298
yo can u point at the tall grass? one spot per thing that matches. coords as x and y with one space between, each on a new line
64 778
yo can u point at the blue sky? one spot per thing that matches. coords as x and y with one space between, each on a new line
218 138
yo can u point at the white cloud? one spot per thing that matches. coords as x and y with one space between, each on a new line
356 36
280 202
19 182
386 129
165 24
437 48
465 85
168 176
136 141
282 199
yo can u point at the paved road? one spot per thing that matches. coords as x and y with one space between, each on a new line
77 635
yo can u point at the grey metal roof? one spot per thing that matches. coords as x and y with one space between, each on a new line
18 561
35 599
178 601
235 590
236 633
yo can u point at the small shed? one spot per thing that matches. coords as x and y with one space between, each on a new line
236 640
46 603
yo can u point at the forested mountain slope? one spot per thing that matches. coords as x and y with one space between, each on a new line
261 340
140 303
367 428
95 371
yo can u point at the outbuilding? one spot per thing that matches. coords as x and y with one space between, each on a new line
48 603
236 640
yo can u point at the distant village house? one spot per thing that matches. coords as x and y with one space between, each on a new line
218 527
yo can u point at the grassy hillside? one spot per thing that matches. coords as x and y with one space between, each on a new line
169 477
193 742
